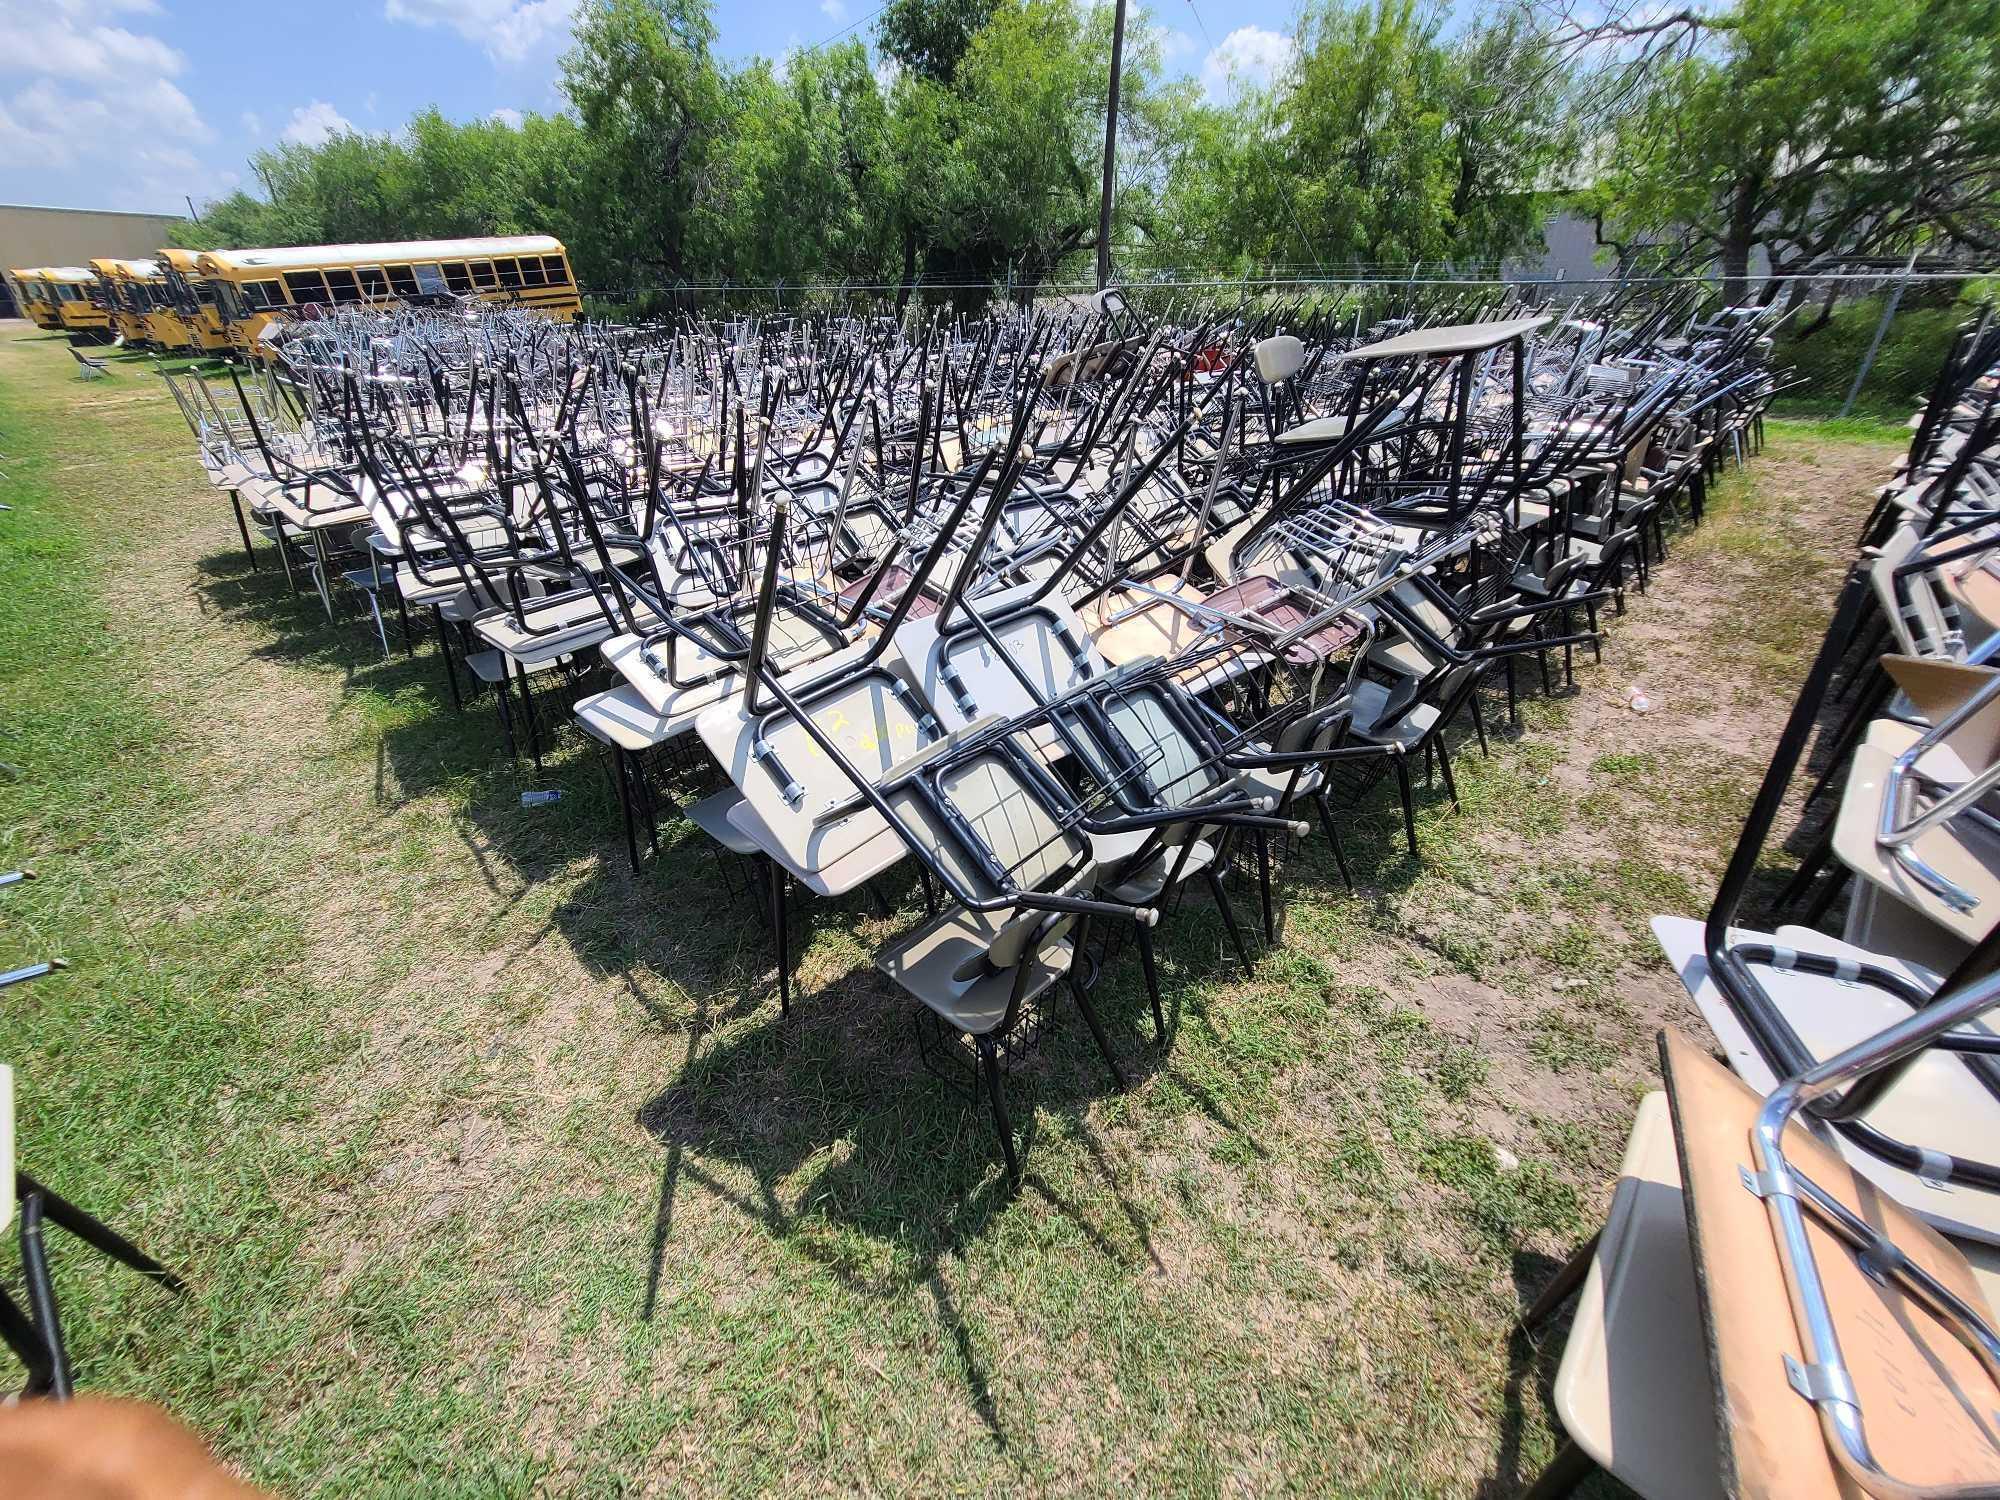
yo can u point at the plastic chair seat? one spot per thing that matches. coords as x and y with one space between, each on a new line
711 816
1332 429
1275 781
1938 1104
547 631
928 962
1633 1390
619 716
1144 886
491 666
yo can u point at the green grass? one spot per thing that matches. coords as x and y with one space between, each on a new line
494 1171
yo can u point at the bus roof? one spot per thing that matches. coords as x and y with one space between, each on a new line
144 270
307 256
67 273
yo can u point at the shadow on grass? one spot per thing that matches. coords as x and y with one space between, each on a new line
829 1117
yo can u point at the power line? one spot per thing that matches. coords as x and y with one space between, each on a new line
1284 192
850 26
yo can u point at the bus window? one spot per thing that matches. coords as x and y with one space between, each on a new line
482 275
402 281
430 281
264 294
343 286
510 272
457 277
374 284
306 286
531 270
558 273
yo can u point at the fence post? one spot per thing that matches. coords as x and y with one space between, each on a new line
1881 328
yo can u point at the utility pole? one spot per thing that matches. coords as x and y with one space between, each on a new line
1110 149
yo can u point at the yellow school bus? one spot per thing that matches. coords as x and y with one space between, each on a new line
134 292
76 292
255 288
193 298
35 296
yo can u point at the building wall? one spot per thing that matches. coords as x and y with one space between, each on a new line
1569 253
73 237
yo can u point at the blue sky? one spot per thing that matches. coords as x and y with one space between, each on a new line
138 104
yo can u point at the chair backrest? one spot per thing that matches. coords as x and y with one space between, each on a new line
1179 767
1279 358
1012 820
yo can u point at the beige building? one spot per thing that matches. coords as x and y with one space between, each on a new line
74 237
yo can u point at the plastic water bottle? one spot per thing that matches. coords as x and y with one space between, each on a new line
540 799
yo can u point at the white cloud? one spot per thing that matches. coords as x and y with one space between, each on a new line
781 65
371 101
253 124
506 116
1175 45
1249 57
78 95
834 10
508 30
315 124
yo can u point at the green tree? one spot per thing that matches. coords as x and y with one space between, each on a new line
1807 128
652 102
803 165
929 37
1381 142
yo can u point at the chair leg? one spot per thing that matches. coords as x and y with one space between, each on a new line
1149 965
1333 835
1479 724
243 530
781 932
1409 806
18 1333
41 1294
1568 1469
1802 877
1222 905
504 697
1829 895
989 1069
1097 1030
1565 1281
528 713
1264 885
621 783
444 652
1444 764
1513 698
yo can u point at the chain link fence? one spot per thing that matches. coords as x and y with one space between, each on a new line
1862 341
